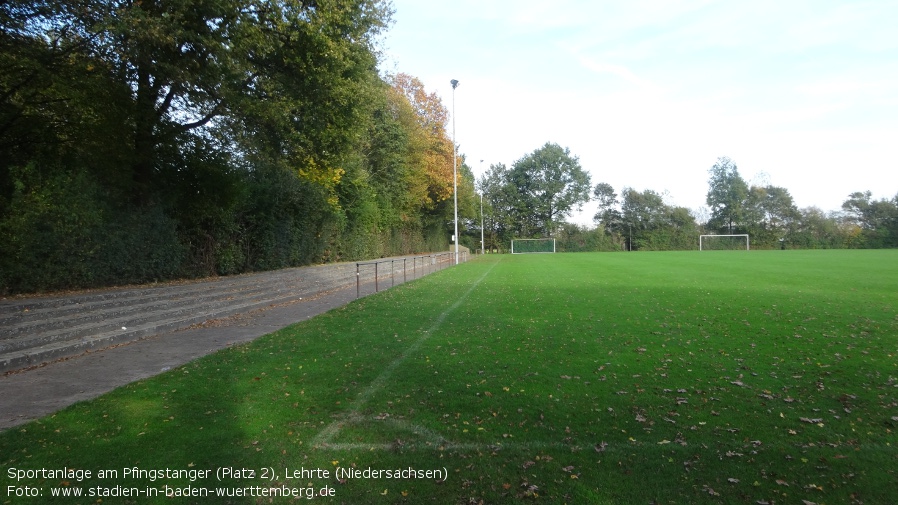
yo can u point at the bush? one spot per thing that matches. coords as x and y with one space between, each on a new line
59 232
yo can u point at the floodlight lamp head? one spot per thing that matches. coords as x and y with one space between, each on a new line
454 83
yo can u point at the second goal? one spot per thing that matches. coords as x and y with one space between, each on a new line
737 242
532 245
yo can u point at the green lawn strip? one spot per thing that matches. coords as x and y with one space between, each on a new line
713 377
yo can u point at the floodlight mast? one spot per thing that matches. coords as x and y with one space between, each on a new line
454 83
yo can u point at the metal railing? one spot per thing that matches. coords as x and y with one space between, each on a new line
418 266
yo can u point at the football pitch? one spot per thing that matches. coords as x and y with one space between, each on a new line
610 378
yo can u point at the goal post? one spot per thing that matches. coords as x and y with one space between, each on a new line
532 245
707 242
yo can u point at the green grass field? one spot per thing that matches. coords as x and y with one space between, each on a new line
670 378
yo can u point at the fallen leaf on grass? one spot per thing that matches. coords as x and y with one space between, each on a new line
733 481
600 447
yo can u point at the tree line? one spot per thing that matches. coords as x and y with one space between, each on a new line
160 139
533 196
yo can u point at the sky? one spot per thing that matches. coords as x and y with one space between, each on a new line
648 94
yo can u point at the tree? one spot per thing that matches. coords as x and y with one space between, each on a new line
200 67
605 195
643 210
499 198
549 183
651 224
816 229
878 219
727 193
608 214
770 215
430 148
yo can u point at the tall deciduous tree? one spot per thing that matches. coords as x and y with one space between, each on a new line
550 184
498 205
431 147
727 193
650 223
770 214
608 214
191 67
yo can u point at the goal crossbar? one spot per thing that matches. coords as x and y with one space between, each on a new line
747 240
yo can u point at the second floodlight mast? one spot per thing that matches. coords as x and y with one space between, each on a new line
454 83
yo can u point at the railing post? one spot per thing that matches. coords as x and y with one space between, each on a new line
392 273
357 280
376 289
403 270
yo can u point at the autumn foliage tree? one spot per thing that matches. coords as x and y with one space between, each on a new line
430 148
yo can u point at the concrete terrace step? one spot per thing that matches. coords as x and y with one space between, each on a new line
46 319
56 329
36 330
37 307
111 334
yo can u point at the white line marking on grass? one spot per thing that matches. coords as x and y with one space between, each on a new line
327 434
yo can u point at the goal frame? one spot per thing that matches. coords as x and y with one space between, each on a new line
546 239
747 239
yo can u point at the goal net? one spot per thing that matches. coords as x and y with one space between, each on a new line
532 245
723 242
